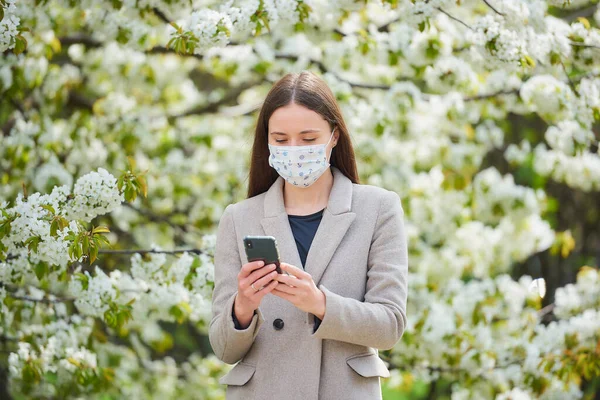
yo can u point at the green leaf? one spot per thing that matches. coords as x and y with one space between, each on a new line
54 228
100 229
174 25
20 44
32 243
74 362
41 269
31 373
49 208
120 180
584 22
84 280
85 244
110 318
163 345
101 238
180 311
62 222
5 228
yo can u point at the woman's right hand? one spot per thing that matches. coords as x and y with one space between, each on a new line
248 299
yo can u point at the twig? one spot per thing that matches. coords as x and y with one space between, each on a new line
546 310
490 95
582 12
385 27
79 38
214 107
453 17
568 77
42 300
585 45
164 50
493 9
11 289
151 251
161 15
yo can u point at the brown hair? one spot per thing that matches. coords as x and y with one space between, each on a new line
308 90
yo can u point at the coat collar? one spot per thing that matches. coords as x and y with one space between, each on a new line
337 218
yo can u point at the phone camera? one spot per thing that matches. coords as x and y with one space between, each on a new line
249 244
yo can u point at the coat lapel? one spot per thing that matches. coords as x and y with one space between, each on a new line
336 220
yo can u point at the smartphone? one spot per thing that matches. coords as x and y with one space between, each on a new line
262 248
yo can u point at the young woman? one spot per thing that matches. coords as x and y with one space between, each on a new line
313 333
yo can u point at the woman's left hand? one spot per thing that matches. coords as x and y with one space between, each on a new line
300 290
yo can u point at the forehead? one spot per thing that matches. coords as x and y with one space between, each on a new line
294 118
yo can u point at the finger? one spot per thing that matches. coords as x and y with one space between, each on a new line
283 295
251 266
287 289
263 292
265 279
297 272
250 291
289 280
257 274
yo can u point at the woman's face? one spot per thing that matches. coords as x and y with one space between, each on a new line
295 125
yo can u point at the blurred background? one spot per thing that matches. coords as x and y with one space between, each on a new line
125 130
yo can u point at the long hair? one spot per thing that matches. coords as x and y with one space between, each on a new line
308 90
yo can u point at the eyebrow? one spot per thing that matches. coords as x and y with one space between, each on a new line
304 131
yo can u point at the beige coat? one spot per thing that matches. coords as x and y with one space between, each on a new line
358 258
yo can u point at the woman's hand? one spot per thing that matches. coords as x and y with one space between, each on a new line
248 299
300 290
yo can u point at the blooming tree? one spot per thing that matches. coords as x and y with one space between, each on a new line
125 130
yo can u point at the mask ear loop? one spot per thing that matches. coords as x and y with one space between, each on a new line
331 151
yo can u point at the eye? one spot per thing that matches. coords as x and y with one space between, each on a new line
309 140
279 141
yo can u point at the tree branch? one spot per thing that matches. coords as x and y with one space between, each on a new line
490 95
43 299
79 101
80 38
575 44
11 289
493 9
214 107
7 127
571 84
386 27
161 15
164 50
582 12
153 251
453 18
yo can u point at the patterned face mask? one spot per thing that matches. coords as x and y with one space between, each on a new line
300 165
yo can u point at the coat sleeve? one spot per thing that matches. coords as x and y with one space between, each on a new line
378 321
229 344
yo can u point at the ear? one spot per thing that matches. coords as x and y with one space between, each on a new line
336 135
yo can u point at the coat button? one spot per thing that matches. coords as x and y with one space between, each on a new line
278 324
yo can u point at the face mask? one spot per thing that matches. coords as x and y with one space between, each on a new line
300 165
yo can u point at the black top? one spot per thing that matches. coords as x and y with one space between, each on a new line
304 228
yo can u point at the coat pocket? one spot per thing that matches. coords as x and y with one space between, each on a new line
238 375
368 365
